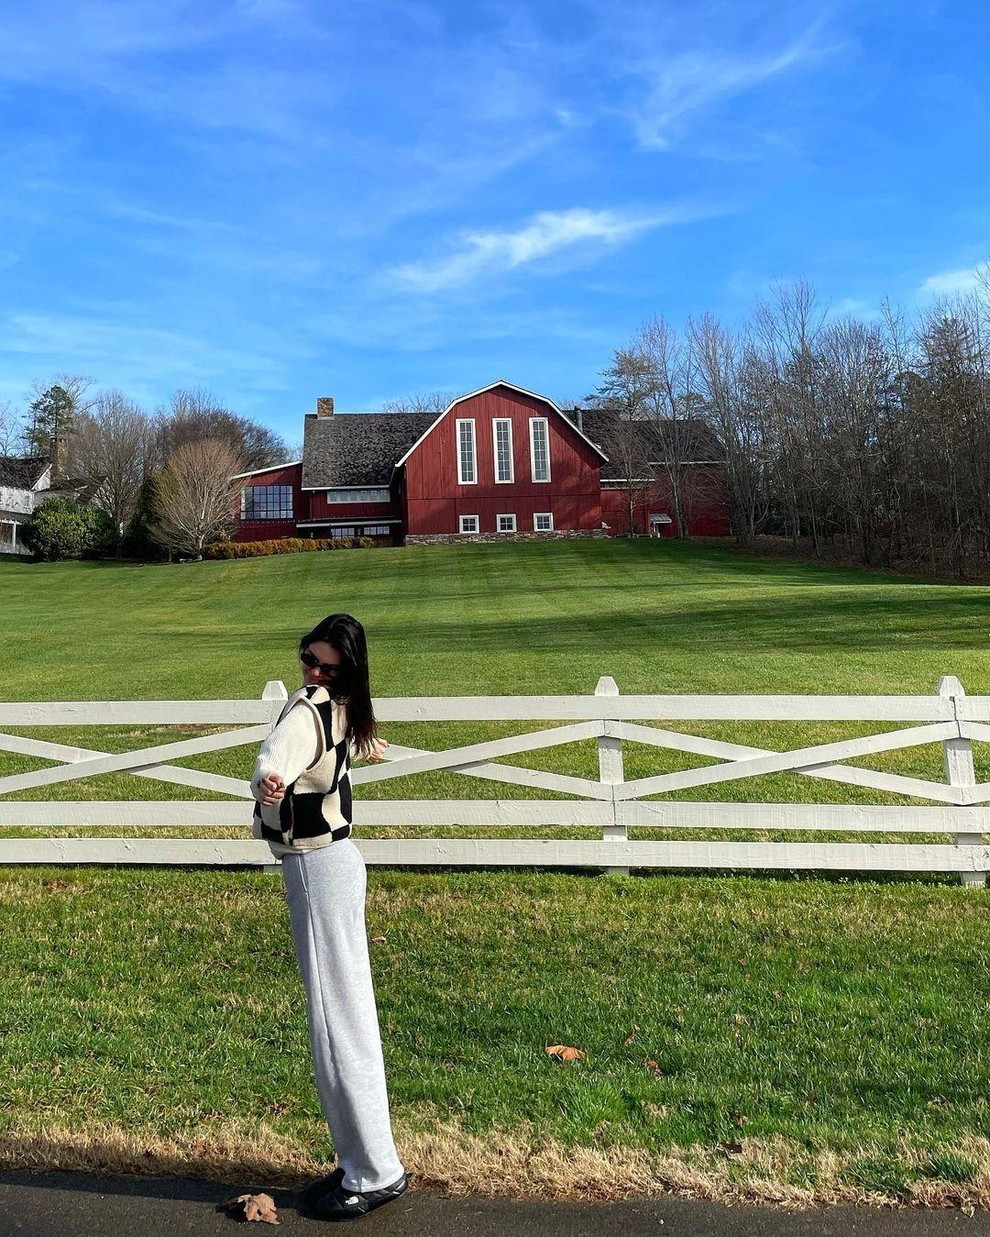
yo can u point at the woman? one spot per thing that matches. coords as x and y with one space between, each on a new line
302 785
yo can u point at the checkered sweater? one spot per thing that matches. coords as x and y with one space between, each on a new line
309 750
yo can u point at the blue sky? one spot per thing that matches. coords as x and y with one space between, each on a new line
280 199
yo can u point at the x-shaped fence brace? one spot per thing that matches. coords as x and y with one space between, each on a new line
480 759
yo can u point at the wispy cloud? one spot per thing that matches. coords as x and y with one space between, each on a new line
549 232
140 358
681 84
956 283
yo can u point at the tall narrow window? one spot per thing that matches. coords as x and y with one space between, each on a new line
502 440
467 472
539 448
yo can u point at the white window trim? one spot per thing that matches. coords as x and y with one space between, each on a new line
549 516
469 532
510 480
474 451
532 450
505 516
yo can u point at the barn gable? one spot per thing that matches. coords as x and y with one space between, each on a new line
493 386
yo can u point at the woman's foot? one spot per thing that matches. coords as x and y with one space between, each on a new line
316 1189
339 1203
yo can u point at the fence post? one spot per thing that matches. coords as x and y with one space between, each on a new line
959 771
277 695
610 772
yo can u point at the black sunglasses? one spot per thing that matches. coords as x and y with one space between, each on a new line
307 659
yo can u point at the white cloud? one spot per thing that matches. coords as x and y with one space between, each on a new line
955 283
689 82
481 253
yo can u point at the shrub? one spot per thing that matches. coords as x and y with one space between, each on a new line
61 528
285 545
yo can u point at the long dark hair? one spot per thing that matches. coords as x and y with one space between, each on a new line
351 686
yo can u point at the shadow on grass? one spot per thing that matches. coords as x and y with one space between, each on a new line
813 621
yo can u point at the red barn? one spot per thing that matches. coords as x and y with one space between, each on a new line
497 462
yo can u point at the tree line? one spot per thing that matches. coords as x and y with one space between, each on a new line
867 437
161 478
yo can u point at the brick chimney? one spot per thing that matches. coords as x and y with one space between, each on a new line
324 406
58 453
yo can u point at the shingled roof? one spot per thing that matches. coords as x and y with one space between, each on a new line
22 472
646 438
358 448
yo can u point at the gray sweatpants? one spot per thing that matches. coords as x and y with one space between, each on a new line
326 891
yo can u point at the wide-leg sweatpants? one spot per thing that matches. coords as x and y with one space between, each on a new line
326 893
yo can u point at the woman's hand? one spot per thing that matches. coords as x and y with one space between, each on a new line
272 790
377 752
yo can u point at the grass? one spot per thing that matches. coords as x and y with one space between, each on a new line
490 619
811 1039
838 1029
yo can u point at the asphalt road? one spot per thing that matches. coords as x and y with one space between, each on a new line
78 1205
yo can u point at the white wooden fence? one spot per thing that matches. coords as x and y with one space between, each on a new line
610 803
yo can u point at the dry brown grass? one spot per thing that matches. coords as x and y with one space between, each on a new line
518 1163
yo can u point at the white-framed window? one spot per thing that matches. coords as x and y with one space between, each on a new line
467 456
505 523
470 524
539 448
502 444
343 532
358 496
376 530
543 522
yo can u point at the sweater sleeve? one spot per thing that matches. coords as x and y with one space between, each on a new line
290 749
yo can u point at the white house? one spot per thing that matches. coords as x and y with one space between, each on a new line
24 482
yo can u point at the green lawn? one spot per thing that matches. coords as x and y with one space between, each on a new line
824 1036
516 618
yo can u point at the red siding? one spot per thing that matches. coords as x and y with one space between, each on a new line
320 509
435 499
703 496
265 530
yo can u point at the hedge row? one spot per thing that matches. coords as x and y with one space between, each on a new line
285 545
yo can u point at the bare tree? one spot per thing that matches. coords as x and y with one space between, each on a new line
11 429
428 401
193 496
115 444
725 376
194 415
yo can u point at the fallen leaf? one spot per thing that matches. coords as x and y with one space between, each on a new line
253 1207
632 1034
379 939
563 1053
653 1067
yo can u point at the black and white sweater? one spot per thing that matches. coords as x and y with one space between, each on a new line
308 749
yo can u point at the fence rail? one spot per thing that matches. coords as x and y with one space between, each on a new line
609 803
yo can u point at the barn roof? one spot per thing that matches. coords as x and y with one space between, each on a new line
358 448
643 438
22 472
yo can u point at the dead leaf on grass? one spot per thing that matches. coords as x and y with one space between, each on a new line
378 939
253 1207
632 1034
653 1067
563 1053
